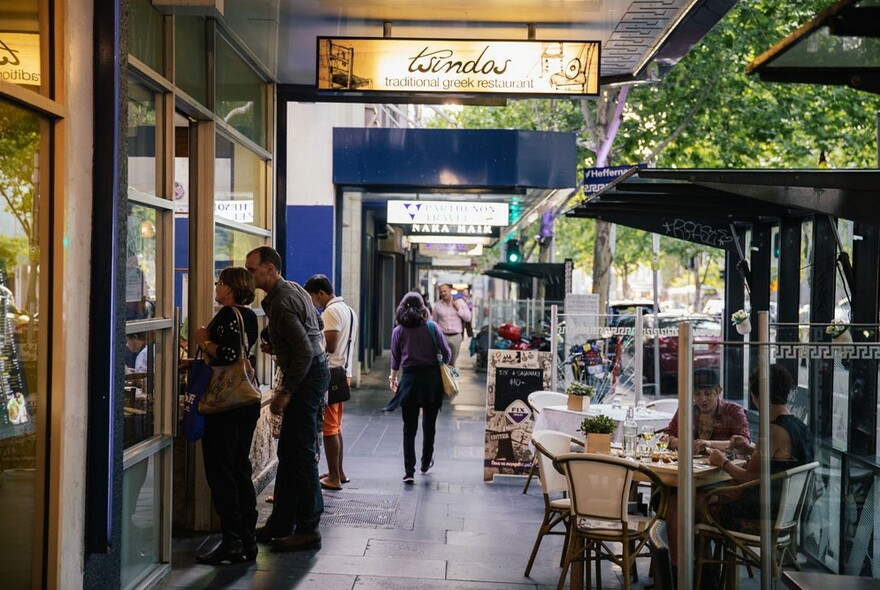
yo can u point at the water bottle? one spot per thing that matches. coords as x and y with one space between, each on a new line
630 433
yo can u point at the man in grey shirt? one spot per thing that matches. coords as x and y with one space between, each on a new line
297 341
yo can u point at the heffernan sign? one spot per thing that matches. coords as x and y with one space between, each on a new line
537 68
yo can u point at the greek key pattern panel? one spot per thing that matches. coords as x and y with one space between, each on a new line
643 23
868 352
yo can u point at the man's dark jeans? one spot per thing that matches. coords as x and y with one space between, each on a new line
298 500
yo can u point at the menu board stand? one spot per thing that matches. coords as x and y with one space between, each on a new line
511 376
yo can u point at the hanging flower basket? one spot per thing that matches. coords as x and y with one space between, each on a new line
839 332
741 321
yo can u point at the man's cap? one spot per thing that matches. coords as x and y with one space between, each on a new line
706 377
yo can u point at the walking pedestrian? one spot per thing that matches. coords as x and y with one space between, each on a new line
340 334
451 314
415 376
296 340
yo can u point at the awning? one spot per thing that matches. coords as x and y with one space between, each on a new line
700 206
840 46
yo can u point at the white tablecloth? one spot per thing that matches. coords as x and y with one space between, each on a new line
569 421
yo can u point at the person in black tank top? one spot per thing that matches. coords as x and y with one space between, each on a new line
791 445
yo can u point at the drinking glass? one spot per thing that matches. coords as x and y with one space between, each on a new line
646 436
662 442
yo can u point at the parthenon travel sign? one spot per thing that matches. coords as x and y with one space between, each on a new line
535 68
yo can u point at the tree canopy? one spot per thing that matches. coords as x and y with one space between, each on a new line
704 113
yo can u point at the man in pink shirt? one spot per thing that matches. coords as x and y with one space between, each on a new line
451 314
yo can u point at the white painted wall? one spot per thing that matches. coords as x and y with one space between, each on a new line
310 148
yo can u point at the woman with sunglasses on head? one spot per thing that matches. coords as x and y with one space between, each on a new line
227 440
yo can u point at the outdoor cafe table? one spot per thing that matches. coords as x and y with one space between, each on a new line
562 419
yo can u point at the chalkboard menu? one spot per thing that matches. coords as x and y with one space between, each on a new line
516 384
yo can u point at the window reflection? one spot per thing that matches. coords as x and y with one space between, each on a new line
20 135
141 133
140 267
20 43
141 494
139 399
240 184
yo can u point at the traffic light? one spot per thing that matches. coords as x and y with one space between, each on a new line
512 252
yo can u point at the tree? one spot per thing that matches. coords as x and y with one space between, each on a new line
19 148
706 113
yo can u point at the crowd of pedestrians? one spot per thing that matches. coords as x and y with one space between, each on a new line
311 333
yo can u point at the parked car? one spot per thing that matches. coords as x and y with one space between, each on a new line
707 348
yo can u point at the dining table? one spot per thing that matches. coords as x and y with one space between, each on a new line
562 419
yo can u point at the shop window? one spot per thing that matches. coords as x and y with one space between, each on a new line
139 400
240 185
191 57
241 94
140 268
142 490
141 135
21 407
146 38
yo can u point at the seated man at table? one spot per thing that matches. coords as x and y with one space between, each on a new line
715 420
791 445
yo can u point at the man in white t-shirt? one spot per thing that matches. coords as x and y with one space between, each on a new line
340 333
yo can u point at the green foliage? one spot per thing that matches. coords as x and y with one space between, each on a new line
705 113
580 389
19 145
600 424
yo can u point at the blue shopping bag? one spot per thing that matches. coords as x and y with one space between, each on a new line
197 383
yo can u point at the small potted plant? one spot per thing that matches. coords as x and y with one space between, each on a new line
597 431
741 321
839 332
579 395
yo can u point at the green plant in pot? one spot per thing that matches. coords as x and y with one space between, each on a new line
598 431
579 396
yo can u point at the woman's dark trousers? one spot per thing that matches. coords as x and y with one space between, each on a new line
226 448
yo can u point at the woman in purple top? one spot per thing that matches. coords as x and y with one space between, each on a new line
414 361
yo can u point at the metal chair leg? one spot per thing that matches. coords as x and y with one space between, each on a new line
532 472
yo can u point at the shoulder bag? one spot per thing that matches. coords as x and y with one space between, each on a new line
340 391
448 374
234 385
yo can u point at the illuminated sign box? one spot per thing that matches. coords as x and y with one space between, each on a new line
531 68
452 229
448 213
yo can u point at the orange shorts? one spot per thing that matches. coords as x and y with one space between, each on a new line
333 419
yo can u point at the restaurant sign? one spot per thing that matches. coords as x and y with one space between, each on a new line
448 213
20 58
537 68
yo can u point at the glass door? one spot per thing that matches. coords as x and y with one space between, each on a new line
149 358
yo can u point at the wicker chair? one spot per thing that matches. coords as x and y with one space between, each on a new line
549 445
599 490
743 548
537 400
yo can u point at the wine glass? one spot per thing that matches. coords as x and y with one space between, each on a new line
662 442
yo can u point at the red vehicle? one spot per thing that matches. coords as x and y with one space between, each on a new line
707 348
